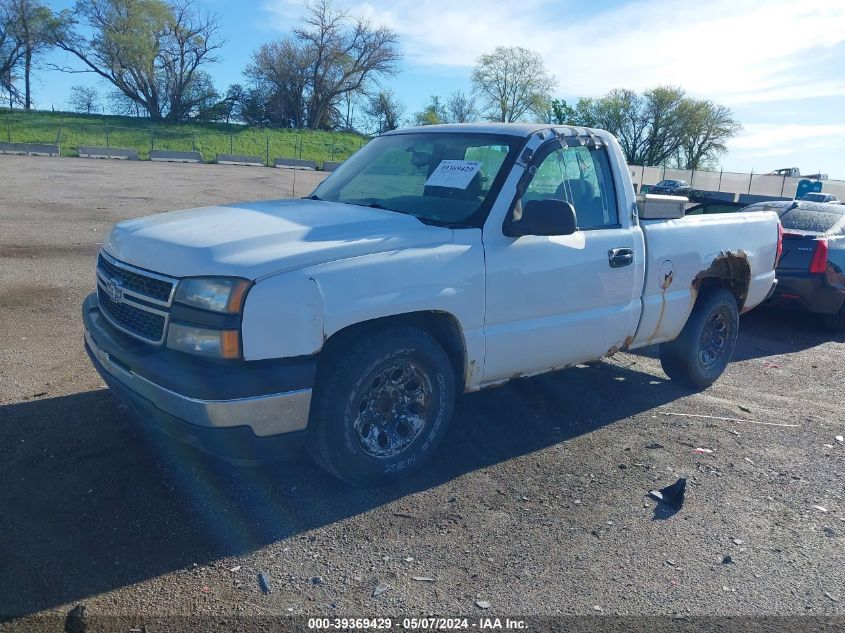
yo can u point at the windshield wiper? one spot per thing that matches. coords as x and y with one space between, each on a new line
312 197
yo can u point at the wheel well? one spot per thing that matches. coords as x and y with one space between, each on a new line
441 325
730 271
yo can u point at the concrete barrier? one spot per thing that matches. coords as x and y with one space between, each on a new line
237 159
745 198
294 163
330 165
117 153
167 156
29 149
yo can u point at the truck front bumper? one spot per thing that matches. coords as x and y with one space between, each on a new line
240 411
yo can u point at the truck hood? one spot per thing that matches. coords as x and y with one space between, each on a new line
255 239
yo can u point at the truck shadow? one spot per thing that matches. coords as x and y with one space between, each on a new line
91 504
765 332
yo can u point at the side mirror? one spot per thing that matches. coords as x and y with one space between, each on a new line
543 217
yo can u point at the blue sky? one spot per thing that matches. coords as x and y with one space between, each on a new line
779 64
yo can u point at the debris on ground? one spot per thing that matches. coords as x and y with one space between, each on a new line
408 559
317 580
264 582
379 589
702 451
737 541
482 604
76 620
671 495
745 409
597 608
725 419
830 597
727 560
820 508
423 578
654 445
840 439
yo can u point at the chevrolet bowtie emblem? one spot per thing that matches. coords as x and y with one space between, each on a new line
114 289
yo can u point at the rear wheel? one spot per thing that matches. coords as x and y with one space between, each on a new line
701 352
382 405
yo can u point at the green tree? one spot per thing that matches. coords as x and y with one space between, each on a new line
32 22
511 83
84 99
661 126
432 114
150 50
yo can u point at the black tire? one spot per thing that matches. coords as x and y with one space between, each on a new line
382 405
703 349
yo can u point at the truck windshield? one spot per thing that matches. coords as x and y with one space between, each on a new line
441 178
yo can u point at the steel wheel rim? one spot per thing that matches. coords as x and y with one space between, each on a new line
393 409
714 339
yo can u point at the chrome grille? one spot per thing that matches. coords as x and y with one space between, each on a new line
135 301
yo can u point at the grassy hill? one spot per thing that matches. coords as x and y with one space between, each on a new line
69 131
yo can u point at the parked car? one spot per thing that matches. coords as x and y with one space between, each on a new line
436 260
816 196
810 270
671 187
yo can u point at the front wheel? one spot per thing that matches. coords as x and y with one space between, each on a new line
701 352
382 405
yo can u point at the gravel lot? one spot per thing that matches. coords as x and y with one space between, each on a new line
536 504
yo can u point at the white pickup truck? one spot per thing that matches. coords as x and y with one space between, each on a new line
434 261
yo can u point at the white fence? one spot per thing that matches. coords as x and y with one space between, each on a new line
731 182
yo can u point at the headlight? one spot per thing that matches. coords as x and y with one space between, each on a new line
217 294
204 341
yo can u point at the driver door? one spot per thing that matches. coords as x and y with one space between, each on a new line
556 301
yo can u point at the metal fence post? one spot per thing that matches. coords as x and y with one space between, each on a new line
750 178
152 139
107 135
231 143
783 186
720 179
267 153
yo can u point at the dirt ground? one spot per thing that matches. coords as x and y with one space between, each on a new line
536 503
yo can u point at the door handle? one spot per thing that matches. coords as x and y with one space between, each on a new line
619 257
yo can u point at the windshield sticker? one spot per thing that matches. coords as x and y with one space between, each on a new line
455 174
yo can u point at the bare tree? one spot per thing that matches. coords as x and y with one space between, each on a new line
460 108
385 111
345 54
150 50
84 99
281 71
511 82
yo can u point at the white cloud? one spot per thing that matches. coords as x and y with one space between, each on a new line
735 51
773 140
